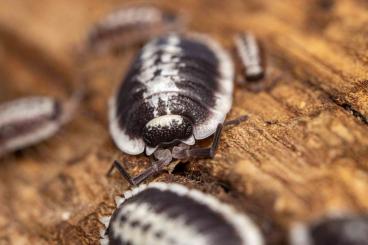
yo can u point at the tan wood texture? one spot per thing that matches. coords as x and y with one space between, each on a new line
302 153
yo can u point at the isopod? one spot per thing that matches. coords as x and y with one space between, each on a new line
250 53
178 90
30 120
343 229
131 25
165 214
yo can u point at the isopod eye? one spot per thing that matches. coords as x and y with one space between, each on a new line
166 129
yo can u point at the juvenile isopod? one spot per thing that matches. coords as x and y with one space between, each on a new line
178 90
131 25
27 121
166 214
340 229
250 53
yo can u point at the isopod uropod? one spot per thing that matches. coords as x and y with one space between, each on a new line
131 25
342 229
178 90
165 214
29 120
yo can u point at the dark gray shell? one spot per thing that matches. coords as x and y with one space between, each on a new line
336 230
164 214
189 76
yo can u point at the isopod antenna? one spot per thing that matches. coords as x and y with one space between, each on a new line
155 168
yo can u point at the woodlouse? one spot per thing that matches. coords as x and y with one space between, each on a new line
178 90
251 55
342 229
164 214
131 25
29 120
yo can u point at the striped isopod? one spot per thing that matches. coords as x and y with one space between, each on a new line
250 53
342 229
165 214
178 90
131 25
29 120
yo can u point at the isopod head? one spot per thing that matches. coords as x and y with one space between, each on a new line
166 129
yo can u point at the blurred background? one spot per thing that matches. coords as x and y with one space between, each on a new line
303 152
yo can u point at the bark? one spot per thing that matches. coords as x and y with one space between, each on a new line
302 153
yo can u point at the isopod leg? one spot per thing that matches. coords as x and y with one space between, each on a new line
209 152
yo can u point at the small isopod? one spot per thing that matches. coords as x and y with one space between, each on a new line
250 53
336 229
177 91
165 214
131 25
29 120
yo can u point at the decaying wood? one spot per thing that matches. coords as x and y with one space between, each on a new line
303 151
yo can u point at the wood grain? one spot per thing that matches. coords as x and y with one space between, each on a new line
302 153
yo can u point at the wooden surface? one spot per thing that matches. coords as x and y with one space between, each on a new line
302 153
